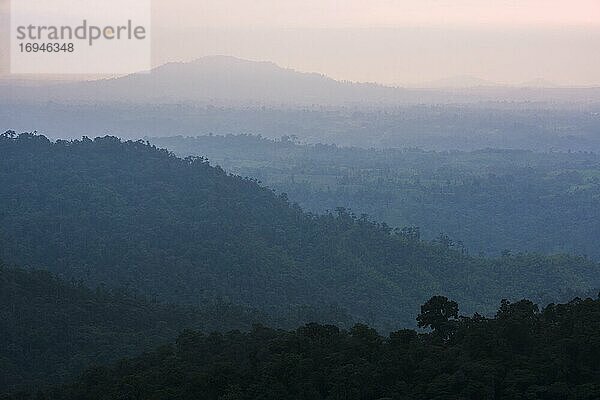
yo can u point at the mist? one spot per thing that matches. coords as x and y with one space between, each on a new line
303 200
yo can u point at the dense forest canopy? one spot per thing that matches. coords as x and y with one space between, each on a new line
521 353
422 224
127 213
52 329
490 200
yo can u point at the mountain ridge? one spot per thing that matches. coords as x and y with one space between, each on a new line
127 213
227 80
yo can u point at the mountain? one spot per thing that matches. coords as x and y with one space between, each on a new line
215 80
127 213
230 81
52 329
521 353
226 95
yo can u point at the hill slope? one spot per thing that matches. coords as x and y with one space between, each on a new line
520 354
491 200
51 329
130 214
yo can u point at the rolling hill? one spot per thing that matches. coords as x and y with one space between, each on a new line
127 213
52 329
492 200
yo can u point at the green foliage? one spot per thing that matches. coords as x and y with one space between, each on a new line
484 359
490 200
438 313
51 330
128 214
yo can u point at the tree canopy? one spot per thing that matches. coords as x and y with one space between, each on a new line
489 200
522 353
119 213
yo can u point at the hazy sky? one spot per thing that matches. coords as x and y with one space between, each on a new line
394 42
376 13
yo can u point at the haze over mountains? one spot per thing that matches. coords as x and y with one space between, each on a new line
491 200
103 211
225 95
225 250
224 80
383 200
132 217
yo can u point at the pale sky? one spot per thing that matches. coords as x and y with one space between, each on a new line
392 42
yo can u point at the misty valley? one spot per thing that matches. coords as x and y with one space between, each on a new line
141 246
487 201
227 229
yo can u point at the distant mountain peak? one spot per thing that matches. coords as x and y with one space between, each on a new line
233 81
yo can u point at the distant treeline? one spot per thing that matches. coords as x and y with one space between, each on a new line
490 200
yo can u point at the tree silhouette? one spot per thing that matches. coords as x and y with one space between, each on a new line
440 314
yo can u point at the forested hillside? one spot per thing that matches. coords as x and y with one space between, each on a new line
129 214
51 329
491 200
522 353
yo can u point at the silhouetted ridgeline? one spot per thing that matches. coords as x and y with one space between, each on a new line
522 353
222 95
126 213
